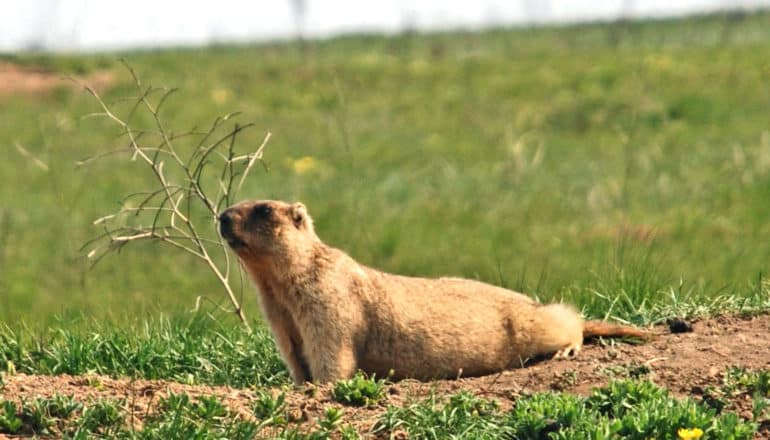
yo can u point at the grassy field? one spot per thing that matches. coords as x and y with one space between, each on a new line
622 167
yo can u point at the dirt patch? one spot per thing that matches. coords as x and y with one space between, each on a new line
685 363
21 80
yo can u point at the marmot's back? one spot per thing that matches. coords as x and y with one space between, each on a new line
430 328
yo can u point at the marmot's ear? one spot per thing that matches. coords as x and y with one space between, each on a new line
299 215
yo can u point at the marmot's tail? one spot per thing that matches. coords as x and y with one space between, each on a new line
592 329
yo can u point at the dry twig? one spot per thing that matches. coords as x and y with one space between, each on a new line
203 181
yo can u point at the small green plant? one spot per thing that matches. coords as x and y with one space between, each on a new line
348 432
743 380
94 381
35 415
330 426
621 396
104 416
179 416
545 414
61 407
78 434
759 406
740 381
174 403
633 370
208 408
755 383
470 404
762 385
359 390
240 430
715 397
640 409
636 410
463 415
172 419
10 422
332 419
269 409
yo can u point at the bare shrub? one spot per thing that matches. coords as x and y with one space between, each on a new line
193 175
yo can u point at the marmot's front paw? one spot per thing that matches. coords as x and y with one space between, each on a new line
568 352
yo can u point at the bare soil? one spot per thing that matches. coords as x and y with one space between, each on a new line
22 80
685 363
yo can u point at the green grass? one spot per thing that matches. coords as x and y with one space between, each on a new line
196 352
739 382
539 159
623 168
627 409
623 409
460 416
176 416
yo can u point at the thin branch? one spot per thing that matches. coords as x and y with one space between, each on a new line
169 208
254 157
24 152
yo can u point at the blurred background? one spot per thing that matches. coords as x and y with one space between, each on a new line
83 25
614 154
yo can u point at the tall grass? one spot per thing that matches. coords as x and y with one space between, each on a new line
516 156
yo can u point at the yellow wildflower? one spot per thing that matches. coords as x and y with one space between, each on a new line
304 165
220 96
689 434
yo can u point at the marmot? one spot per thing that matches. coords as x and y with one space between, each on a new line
332 316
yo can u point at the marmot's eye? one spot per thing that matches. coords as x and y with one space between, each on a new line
262 211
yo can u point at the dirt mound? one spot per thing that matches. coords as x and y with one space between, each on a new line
21 80
685 363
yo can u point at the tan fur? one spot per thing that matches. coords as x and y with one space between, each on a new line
595 329
332 316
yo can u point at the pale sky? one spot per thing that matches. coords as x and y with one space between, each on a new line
111 24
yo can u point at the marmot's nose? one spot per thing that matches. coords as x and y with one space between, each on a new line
226 223
227 220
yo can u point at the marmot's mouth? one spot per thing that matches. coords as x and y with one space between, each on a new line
226 231
235 242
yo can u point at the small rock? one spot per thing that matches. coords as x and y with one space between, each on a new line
296 415
512 394
679 325
310 390
696 389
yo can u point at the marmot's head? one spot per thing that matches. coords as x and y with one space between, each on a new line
267 229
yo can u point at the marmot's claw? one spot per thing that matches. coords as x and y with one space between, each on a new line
568 352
